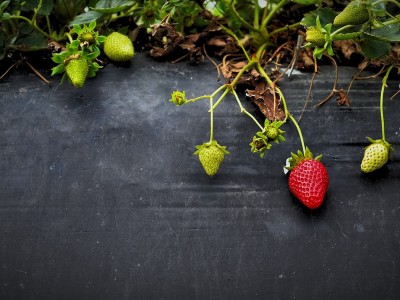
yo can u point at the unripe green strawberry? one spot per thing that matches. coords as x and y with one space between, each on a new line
77 71
375 156
118 47
88 37
211 155
271 132
355 13
315 36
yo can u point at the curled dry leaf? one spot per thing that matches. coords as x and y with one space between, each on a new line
231 68
165 40
343 98
267 101
348 47
305 60
223 45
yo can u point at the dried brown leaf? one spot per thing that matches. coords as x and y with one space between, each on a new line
267 101
343 98
306 60
348 47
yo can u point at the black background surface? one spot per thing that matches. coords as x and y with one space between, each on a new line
101 197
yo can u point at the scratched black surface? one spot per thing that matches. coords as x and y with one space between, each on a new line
101 198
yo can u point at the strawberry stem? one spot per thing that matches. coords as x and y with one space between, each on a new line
299 131
211 120
243 110
384 80
220 98
206 96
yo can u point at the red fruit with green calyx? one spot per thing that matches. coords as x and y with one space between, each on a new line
308 179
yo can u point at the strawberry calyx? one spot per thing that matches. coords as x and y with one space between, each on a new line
383 142
178 97
296 159
263 139
209 144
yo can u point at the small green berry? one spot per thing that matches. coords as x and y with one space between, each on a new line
211 155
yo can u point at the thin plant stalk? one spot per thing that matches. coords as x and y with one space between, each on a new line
303 146
384 80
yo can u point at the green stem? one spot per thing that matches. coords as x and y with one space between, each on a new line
198 98
220 98
206 96
230 32
48 25
211 120
256 21
299 132
243 110
272 13
341 29
243 21
218 90
36 10
69 37
383 1
249 65
378 25
294 25
384 80
30 23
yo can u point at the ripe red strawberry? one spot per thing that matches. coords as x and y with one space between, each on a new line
308 179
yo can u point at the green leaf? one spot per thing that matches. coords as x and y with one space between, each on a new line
86 17
3 5
112 6
307 2
326 16
47 6
373 48
29 39
77 29
4 16
379 9
58 69
92 25
93 55
59 57
389 33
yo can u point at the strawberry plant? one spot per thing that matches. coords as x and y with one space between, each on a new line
314 177
380 151
247 37
367 22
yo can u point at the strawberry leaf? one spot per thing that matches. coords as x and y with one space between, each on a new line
326 15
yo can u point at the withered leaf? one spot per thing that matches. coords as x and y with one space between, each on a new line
306 60
348 47
343 98
230 69
267 101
